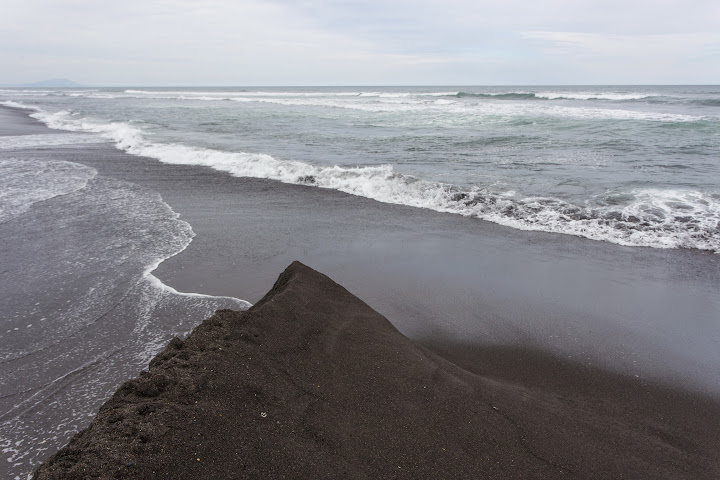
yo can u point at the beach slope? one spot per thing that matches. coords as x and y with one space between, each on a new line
313 383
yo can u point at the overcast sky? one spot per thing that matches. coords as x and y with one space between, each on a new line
361 42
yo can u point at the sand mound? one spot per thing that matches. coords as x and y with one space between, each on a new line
313 383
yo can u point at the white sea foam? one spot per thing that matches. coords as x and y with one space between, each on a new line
478 110
689 219
26 182
653 218
618 114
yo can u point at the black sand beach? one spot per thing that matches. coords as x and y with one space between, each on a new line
588 350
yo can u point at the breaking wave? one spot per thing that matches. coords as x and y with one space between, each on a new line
556 96
642 217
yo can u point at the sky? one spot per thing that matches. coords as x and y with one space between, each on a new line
360 42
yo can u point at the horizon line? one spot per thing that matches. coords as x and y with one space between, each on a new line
218 85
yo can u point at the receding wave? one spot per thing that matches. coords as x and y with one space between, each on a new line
652 218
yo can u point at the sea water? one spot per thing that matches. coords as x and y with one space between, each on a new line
636 166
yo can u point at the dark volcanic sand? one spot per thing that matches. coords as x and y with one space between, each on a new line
313 383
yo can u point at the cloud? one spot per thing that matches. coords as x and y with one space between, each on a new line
357 42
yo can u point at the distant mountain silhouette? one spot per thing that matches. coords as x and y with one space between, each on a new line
54 82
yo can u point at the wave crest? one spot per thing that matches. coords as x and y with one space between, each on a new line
499 96
556 96
652 218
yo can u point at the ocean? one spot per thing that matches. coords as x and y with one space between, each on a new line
637 166
625 180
